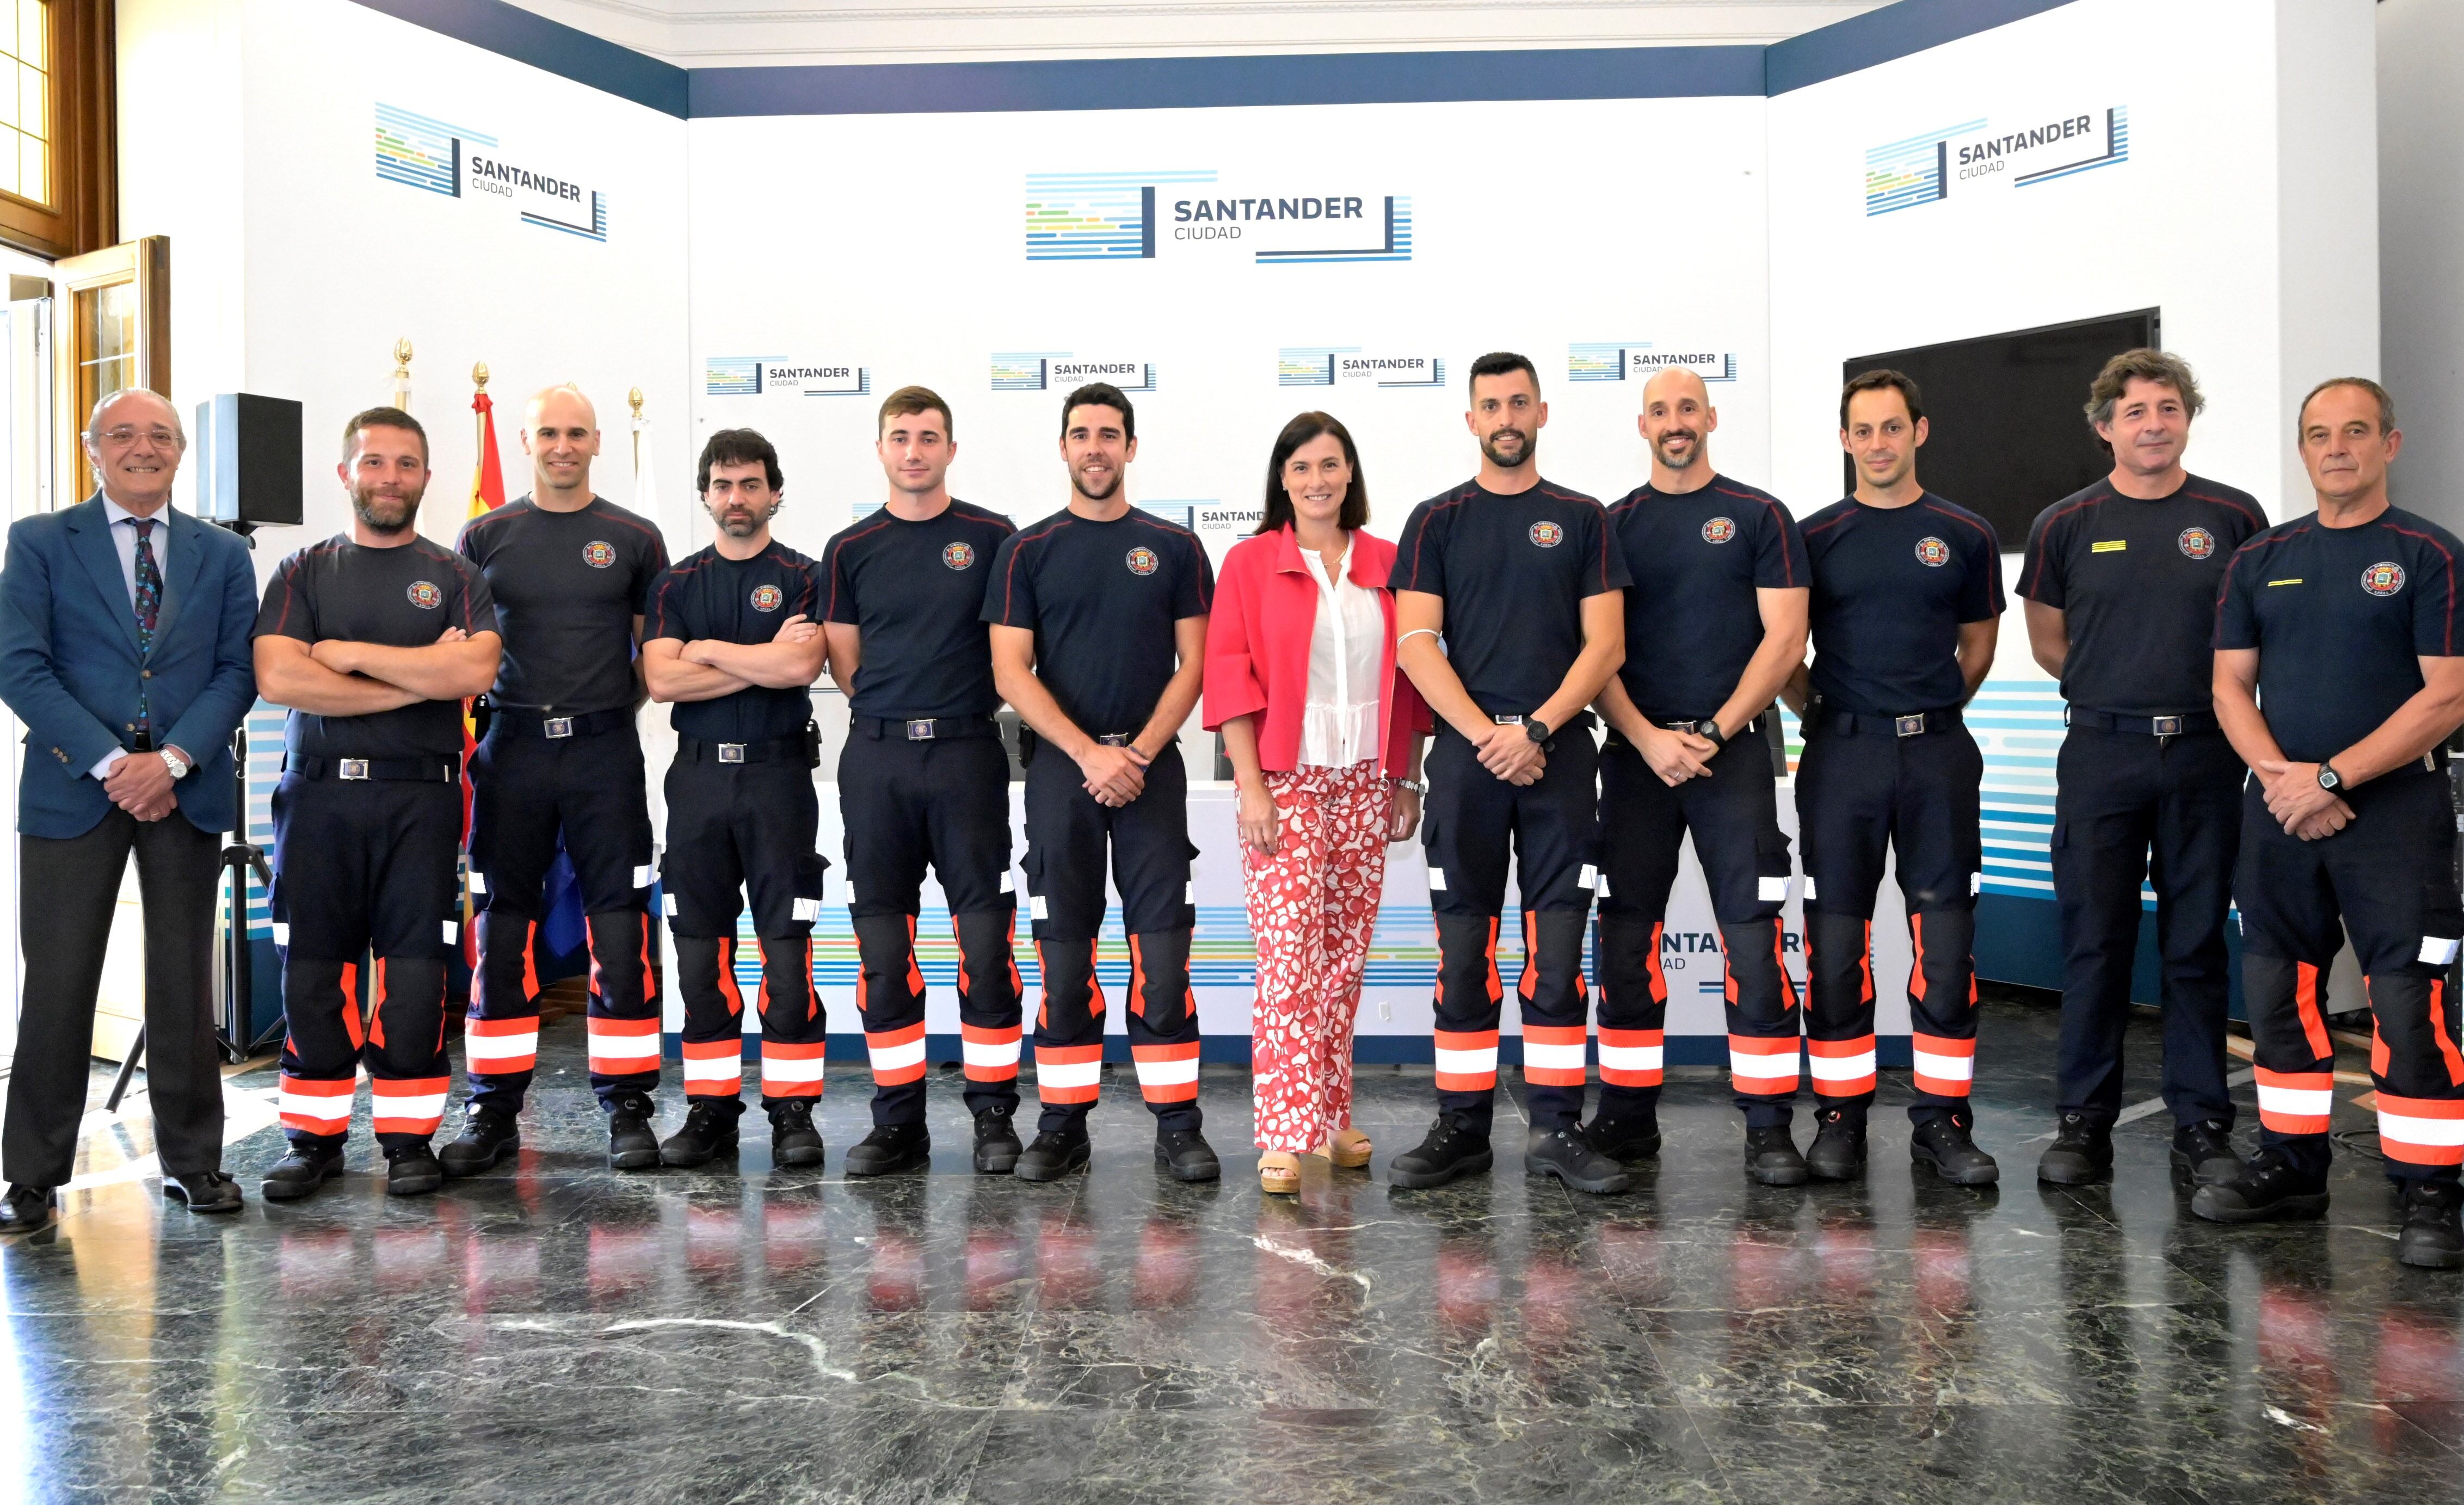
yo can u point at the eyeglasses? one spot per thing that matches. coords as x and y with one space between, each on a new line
124 436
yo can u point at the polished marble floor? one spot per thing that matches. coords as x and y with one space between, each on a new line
563 1332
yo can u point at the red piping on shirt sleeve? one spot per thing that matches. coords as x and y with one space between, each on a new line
2448 641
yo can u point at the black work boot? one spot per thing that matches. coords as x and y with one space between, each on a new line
1772 1157
300 1172
1055 1154
1186 1154
487 1136
1565 1154
997 1147
793 1139
411 1170
1448 1155
2432 1237
2080 1152
2203 1151
26 1208
2268 1185
631 1142
707 1132
1837 1153
1943 1142
1623 1139
889 1149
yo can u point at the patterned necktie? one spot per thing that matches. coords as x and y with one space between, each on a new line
149 607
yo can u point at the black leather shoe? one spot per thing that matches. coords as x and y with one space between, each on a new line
631 1142
1623 1139
1054 1154
793 1139
26 1208
2268 1185
890 1149
300 1172
412 1171
2080 1152
1448 1155
487 1136
203 1191
1565 1154
1837 1153
1186 1154
1943 1143
997 1145
2203 1151
2432 1237
1772 1157
706 1133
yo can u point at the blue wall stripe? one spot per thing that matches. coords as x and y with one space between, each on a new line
1114 83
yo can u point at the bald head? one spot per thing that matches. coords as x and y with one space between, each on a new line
562 437
1677 421
139 405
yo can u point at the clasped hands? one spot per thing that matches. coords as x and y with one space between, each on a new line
2294 798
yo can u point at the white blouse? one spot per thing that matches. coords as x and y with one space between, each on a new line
1347 649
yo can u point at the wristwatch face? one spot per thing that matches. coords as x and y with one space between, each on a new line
2327 777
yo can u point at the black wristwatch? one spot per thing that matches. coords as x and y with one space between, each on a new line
1709 729
2329 779
1535 728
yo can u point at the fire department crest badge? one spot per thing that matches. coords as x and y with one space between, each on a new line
2383 578
599 554
2197 543
1548 535
425 595
1142 561
1719 529
959 556
766 598
1932 552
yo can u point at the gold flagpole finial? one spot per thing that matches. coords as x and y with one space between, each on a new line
634 397
402 374
479 375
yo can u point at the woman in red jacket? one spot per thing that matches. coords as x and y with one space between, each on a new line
1324 733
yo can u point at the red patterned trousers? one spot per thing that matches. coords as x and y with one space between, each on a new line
1312 908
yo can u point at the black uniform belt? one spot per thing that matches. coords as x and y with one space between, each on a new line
775 749
404 770
1700 727
929 729
556 728
1915 724
1116 740
1580 718
2144 726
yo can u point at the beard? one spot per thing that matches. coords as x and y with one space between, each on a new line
742 522
378 513
1509 460
1691 441
1078 480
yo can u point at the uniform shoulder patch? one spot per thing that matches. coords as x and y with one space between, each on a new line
2196 543
2383 578
1548 535
425 595
1932 552
959 556
1719 529
766 598
599 554
1142 561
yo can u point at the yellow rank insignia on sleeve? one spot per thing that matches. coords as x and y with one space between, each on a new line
2108 546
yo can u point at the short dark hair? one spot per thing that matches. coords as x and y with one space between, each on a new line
739 447
1101 394
2161 366
1503 363
1300 431
382 418
1876 380
909 399
2387 404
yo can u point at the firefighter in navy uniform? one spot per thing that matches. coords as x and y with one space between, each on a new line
1907 601
2121 586
1098 617
1714 624
733 639
372 639
924 779
2339 675
571 574
1509 620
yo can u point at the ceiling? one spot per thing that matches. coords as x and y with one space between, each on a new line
712 34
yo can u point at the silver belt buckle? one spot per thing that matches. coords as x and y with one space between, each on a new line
1909 726
559 727
1507 720
2166 725
920 731
1114 739
354 767
731 751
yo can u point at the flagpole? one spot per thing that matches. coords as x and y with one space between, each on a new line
402 374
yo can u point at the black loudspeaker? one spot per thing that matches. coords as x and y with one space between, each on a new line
249 461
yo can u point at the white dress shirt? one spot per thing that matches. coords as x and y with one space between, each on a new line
124 542
1347 649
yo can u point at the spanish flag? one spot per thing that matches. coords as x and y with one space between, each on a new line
487 479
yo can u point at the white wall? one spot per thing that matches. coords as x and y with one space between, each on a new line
2421 247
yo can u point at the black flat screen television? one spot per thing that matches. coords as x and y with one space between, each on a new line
2006 430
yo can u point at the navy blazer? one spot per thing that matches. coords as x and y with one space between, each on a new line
69 665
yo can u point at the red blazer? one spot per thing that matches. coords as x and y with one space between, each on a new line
1258 647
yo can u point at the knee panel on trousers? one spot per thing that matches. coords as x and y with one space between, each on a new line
1552 983
1942 980
988 980
620 962
1073 998
508 974
1757 984
321 1005
407 1023
1469 990
788 1005
893 986
1838 971
1633 991
1160 995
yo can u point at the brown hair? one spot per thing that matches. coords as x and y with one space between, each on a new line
914 399
1302 429
382 418
2160 367
739 447
2387 404
1876 380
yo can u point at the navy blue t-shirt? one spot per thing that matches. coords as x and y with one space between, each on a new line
2136 581
404 597
915 593
1696 559
1892 586
1514 572
568 586
1102 599
2341 618
706 597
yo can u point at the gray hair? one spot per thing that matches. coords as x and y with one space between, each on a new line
2387 404
2160 367
94 420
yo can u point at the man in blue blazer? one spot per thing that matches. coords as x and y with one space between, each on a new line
124 648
